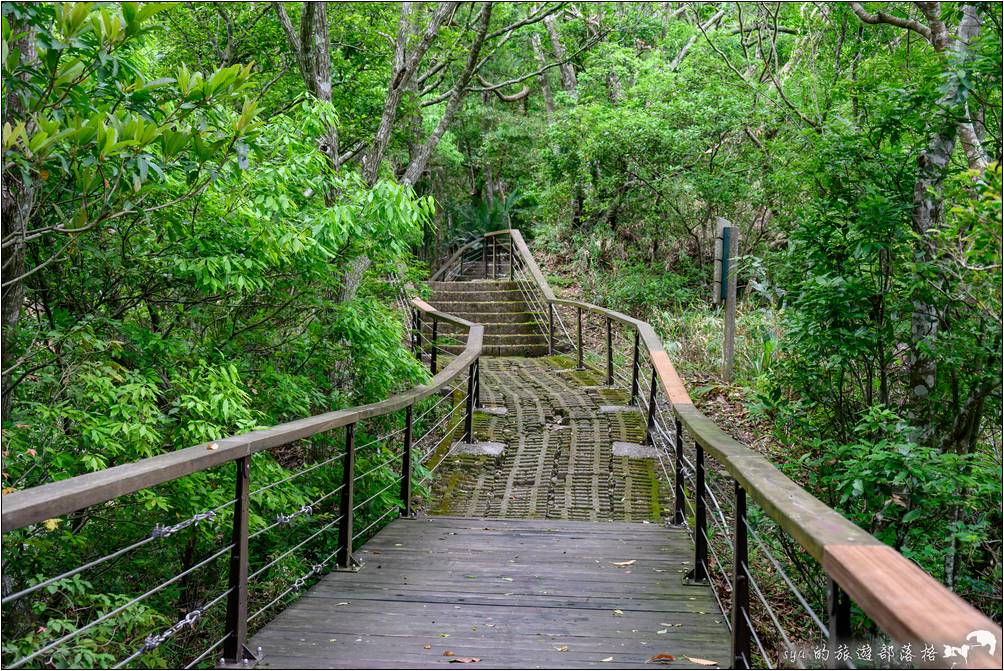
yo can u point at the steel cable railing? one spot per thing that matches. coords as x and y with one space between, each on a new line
29 507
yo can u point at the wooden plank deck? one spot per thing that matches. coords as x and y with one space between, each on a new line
514 593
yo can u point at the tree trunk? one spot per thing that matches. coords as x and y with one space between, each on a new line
18 201
417 165
567 70
545 86
928 212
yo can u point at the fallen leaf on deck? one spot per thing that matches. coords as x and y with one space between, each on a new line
624 563
662 631
702 662
427 646
342 603
662 658
447 653
618 612
561 648
465 660
607 659
507 579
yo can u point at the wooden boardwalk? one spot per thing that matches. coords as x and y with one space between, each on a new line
512 593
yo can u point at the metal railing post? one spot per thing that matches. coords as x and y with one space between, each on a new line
740 586
578 314
678 503
345 526
495 259
512 259
418 335
484 255
406 465
699 574
838 606
610 353
235 646
550 328
634 373
477 382
469 416
435 345
650 421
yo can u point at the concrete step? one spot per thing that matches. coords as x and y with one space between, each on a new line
491 328
479 307
496 339
504 350
498 318
446 296
474 285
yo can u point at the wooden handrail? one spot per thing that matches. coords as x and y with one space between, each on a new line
62 497
904 601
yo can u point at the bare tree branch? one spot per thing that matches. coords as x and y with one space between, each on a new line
882 17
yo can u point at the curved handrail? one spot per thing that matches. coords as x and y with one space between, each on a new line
903 600
62 497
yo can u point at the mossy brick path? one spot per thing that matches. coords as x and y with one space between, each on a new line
558 462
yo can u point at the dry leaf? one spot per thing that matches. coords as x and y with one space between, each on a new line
212 446
427 646
618 612
447 653
342 603
465 660
561 648
607 659
662 631
51 524
702 662
444 636
624 563
662 658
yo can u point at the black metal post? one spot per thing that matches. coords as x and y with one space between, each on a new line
578 312
610 353
469 417
477 383
406 465
345 527
511 258
484 255
678 503
740 586
838 606
234 647
435 344
550 328
418 335
634 373
650 421
495 258
700 571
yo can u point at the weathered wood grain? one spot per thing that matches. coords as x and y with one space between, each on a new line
515 593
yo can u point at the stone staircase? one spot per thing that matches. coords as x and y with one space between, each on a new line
512 328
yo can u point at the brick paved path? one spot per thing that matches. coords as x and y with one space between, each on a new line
558 461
